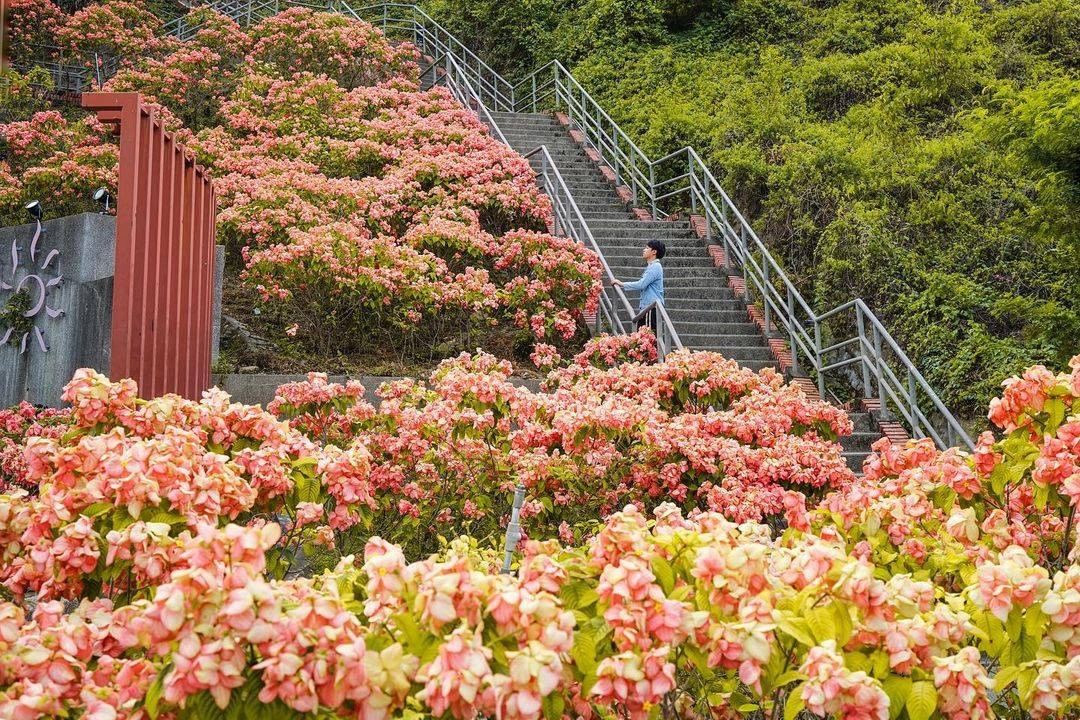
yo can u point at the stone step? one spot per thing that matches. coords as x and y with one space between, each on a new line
684 271
709 327
723 315
618 223
855 461
695 295
860 440
735 341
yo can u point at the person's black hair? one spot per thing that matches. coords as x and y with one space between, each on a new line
659 247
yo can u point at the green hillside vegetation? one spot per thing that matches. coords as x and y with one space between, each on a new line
925 156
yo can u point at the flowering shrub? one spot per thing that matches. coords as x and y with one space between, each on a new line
55 160
347 52
607 351
112 28
686 617
438 455
359 208
910 602
17 425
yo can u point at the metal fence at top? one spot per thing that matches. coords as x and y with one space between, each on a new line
69 72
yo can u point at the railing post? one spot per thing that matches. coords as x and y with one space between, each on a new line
862 351
883 397
820 360
913 404
385 12
534 92
692 177
615 155
791 332
765 300
652 188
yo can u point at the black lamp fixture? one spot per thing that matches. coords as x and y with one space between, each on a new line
34 208
103 197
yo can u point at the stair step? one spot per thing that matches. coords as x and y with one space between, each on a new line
696 315
858 441
854 461
753 342
760 354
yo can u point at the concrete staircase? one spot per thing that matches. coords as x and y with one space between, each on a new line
705 310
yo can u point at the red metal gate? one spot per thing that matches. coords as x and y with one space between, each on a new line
163 285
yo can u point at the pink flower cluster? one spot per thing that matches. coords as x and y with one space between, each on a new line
131 476
17 425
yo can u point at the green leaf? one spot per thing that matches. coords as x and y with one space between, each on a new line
413 636
1055 411
842 623
98 508
796 628
898 688
1041 496
583 651
1014 624
1025 683
664 573
153 693
158 515
1005 677
698 657
858 662
922 700
554 705
1035 622
881 663
794 704
821 623
307 489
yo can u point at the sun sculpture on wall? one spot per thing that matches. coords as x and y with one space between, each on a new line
29 284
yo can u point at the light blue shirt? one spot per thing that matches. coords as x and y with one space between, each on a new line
651 285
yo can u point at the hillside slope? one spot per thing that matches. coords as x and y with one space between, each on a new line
923 156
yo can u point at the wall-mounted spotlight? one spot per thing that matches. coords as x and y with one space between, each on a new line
34 208
103 197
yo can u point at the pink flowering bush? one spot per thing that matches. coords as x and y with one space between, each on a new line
676 616
360 210
446 454
17 425
57 161
179 525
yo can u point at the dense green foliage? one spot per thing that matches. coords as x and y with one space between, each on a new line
922 155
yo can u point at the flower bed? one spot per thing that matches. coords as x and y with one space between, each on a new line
361 210
942 584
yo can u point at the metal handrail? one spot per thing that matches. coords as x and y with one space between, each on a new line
897 384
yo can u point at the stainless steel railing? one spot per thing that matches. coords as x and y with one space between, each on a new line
868 358
881 368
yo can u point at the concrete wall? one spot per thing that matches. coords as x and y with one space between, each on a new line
80 337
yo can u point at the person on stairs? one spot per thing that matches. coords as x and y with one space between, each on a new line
651 284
